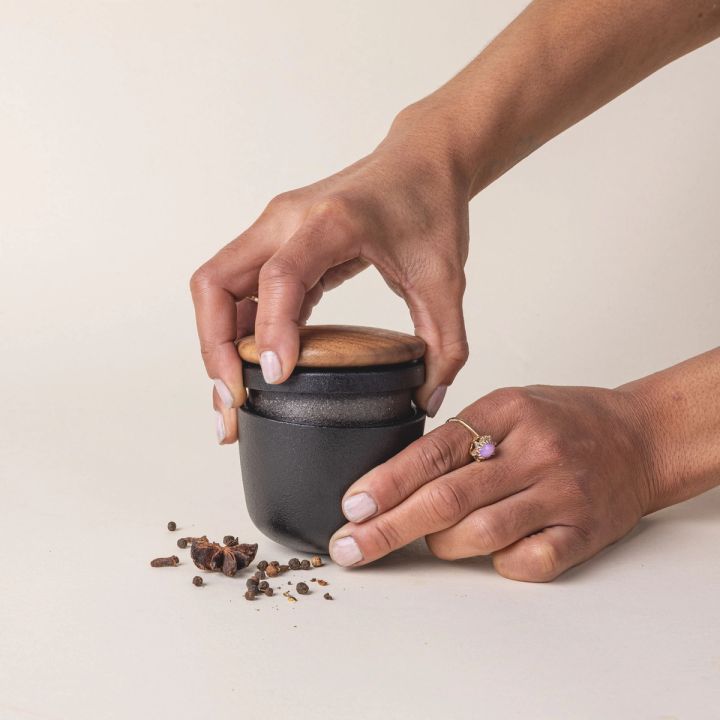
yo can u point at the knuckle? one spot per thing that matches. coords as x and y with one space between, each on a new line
485 534
435 455
443 503
387 536
439 549
551 447
457 352
281 202
201 279
542 563
331 208
277 271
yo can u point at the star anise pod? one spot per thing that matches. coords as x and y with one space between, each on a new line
214 557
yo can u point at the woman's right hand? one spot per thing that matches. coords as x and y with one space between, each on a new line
403 209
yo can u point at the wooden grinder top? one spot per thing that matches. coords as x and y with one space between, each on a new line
346 346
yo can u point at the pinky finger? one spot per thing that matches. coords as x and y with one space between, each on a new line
225 422
545 555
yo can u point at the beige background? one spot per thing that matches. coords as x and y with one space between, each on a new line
135 139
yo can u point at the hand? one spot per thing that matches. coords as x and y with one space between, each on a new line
572 474
403 209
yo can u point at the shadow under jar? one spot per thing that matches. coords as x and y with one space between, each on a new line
346 408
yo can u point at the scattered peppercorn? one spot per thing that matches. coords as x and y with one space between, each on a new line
230 540
262 565
182 543
251 584
302 588
328 596
275 563
172 526
316 561
284 568
294 564
249 595
323 582
305 564
264 585
272 571
260 575
171 561
269 592
197 581
313 579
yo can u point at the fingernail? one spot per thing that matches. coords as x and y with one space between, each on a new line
436 400
358 507
270 365
345 551
219 427
223 393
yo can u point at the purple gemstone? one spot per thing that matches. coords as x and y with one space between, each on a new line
487 450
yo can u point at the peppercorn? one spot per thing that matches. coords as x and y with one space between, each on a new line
272 571
249 595
322 582
264 585
302 588
182 543
262 565
305 564
197 581
269 592
284 568
251 583
316 561
260 575
294 564
275 563
230 540
171 561
172 526
328 596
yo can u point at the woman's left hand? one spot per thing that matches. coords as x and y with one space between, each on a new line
573 472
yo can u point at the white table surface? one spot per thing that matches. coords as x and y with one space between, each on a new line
135 139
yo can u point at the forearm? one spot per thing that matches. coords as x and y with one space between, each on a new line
680 416
555 64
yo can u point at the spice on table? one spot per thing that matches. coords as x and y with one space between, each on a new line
182 543
252 583
284 568
214 557
274 563
197 581
249 595
260 575
272 571
264 585
323 582
230 540
291 598
305 564
262 565
172 526
302 588
171 561
269 592
328 596
316 561
294 564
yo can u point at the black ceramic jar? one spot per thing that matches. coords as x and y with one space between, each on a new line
346 408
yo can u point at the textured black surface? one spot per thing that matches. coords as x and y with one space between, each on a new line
295 475
321 381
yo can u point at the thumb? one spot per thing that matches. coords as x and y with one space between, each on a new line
438 319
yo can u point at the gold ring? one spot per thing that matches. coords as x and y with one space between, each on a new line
482 447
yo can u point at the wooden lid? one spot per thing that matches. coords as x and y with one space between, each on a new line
346 346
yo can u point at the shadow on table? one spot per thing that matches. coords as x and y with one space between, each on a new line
702 509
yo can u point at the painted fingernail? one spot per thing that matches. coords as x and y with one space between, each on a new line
219 427
436 400
224 393
270 365
345 551
358 507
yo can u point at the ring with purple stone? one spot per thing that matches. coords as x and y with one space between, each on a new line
482 447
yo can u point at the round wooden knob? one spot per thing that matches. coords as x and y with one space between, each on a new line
346 346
